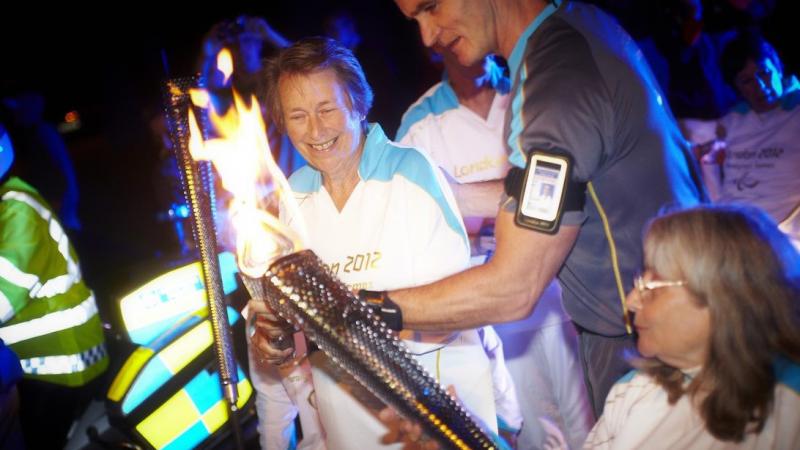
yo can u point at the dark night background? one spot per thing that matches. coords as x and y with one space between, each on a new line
107 64
108 67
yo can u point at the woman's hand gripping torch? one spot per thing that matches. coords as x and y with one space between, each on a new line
270 335
259 243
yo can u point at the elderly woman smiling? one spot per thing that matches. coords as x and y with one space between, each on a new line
716 312
380 216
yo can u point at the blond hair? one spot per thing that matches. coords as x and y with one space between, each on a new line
737 263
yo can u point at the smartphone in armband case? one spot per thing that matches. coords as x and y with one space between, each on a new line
543 192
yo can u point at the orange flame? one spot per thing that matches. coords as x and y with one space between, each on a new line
242 157
225 64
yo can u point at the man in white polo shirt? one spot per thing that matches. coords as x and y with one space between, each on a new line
459 122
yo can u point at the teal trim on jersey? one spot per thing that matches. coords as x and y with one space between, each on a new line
441 100
787 372
515 59
385 159
517 68
789 101
627 377
498 441
306 180
502 425
381 161
517 153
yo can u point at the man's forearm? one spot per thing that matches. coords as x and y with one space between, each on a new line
468 299
504 289
478 199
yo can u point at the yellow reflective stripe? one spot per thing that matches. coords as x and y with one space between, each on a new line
185 349
60 284
63 364
50 323
179 413
6 309
614 261
30 201
58 235
129 371
56 286
215 416
245 391
13 275
170 420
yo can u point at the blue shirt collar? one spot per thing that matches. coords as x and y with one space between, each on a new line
375 144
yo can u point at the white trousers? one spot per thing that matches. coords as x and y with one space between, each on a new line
281 395
348 412
541 354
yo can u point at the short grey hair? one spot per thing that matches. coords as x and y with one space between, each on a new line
313 54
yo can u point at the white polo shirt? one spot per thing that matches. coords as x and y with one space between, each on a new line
762 158
461 142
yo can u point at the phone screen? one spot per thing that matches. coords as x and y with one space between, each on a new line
542 195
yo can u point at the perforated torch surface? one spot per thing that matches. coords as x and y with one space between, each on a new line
300 290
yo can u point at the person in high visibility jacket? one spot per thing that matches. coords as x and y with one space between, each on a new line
48 316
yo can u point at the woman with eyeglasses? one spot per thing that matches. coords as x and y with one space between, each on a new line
716 312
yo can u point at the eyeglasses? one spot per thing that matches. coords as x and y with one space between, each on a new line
644 287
